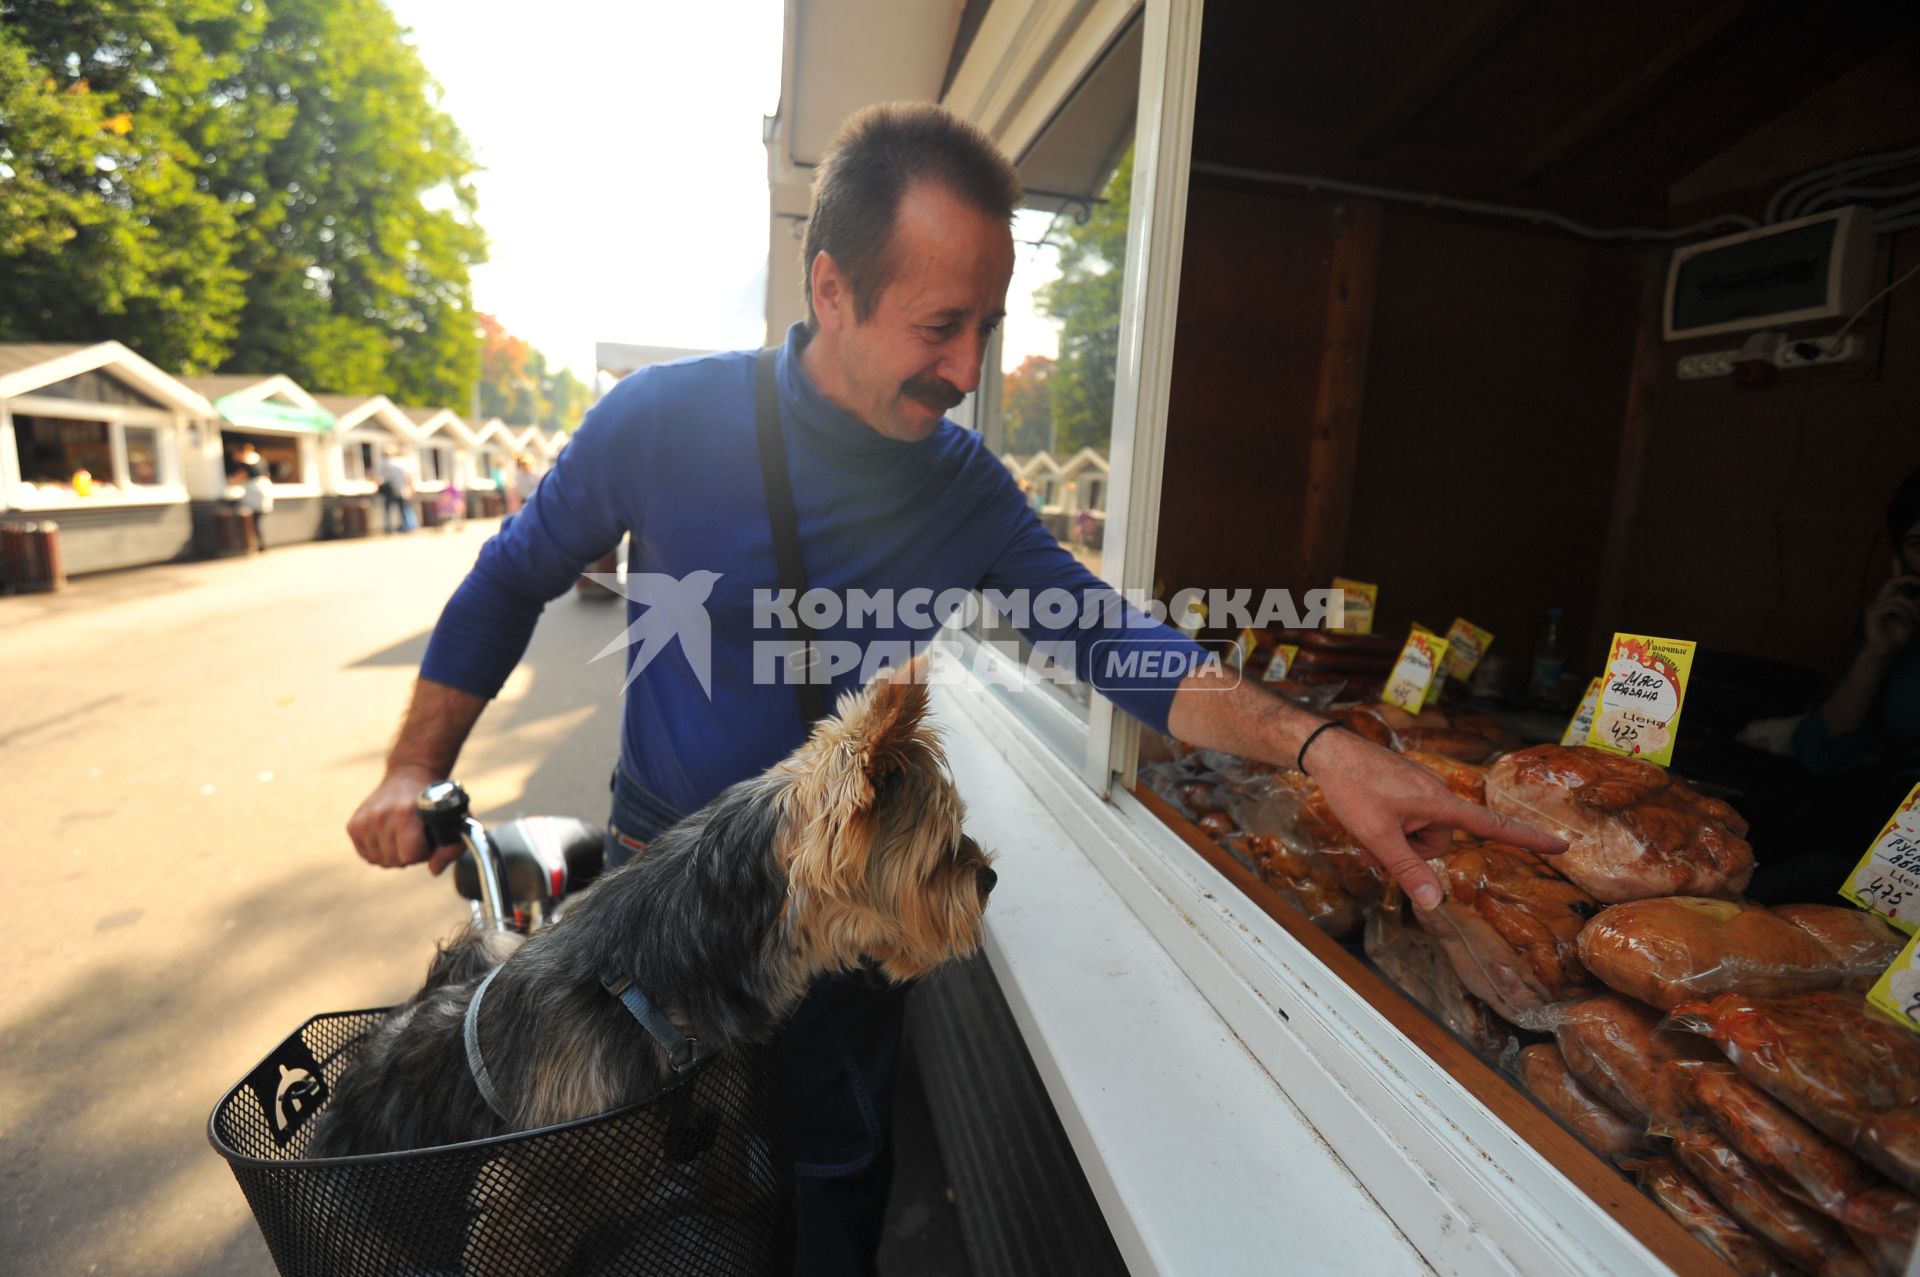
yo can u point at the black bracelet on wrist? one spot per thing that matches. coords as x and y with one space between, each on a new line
1300 760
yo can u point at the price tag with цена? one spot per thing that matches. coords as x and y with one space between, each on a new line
1897 991
1887 879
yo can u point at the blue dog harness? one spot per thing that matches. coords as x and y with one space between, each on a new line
682 1052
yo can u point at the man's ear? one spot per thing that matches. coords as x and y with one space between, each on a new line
832 297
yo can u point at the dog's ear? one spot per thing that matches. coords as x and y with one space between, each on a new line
839 775
884 718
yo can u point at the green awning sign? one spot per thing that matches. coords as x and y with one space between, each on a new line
265 414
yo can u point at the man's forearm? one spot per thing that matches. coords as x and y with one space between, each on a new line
439 720
1214 711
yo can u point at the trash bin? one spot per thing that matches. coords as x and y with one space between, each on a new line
30 557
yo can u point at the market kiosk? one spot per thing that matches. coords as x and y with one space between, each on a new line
1396 309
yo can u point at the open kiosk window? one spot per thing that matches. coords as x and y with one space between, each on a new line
281 454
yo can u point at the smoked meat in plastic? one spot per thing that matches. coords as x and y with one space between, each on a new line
1678 949
1826 1056
1615 1046
1863 944
1510 926
1682 1197
1633 831
1799 1232
1544 1074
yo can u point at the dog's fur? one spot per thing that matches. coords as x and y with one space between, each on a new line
849 849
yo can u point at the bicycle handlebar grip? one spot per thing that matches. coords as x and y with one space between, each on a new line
443 808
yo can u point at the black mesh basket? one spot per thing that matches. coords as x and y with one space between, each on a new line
694 1182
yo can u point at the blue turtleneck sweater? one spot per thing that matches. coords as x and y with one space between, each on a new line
670 457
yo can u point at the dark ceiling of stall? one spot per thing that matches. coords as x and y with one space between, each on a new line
1596 110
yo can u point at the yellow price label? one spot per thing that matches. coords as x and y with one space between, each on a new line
1887 879
1897 991
1642 690
1467 644
1282 661
1415 671
1357 604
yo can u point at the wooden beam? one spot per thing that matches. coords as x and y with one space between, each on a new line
1630 92
1447 61
1616 559
1339 389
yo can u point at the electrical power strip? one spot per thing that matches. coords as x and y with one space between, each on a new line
1805 353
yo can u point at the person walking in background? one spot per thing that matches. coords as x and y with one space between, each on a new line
524 479
249 471
396 492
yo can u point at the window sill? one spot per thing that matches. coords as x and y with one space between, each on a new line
44 502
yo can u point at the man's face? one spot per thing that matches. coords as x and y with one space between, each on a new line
918 353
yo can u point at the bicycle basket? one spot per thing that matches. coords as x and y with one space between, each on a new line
695 1181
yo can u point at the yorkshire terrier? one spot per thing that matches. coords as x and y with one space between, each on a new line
850 849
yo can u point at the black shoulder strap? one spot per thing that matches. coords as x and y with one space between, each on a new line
786 525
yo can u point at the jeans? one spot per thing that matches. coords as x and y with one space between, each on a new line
842 1045
408 519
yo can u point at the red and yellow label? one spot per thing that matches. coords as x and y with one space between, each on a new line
1641 693
1467 643
1357 604
1887 879
1417 670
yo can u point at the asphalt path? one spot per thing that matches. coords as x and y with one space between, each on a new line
180 748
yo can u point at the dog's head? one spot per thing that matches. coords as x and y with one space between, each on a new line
876 861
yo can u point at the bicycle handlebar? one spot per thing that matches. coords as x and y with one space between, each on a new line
446 812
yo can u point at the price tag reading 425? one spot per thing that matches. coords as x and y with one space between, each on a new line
1641 692
1897 991
1887 879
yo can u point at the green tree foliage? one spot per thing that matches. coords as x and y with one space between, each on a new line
567 398
258 185
517 386
1085 299
110 225
1026 404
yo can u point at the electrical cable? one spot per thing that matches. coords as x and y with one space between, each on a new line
1840 171
1855 195
1535 216
1833 342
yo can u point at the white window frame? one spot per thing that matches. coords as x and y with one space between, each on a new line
449 470
1149 302
116 417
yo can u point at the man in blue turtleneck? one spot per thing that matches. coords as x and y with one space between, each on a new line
908 256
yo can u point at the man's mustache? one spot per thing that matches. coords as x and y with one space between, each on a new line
935 392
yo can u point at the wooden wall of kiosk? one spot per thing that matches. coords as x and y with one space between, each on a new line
1479 414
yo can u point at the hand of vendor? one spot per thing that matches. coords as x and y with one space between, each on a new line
1398 811
1893 616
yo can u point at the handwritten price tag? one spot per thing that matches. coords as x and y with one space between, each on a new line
1897 991
1415 671
1887 879
1641 693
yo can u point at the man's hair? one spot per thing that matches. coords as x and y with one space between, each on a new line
879 152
